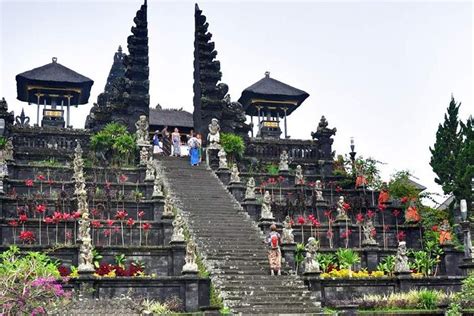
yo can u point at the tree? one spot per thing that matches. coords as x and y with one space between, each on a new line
446 149
465 163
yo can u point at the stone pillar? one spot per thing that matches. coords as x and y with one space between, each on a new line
224 175
403 281
288 253
253 208
468 262
313 281
237 189
166 231
178 251
212 159
371 257
450 261
339 227
192 294
86 286
158 206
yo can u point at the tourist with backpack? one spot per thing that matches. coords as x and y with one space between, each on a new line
274 254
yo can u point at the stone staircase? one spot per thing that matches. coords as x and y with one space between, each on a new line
231 246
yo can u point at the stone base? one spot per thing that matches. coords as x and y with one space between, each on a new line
322 203
253 208
265 223
223 175
312 274
284 173
300 186
190 272
288 253
237 189
467 266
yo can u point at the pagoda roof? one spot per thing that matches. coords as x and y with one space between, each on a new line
267 90
51 78
171 117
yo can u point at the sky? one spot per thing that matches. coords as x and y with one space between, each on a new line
381 72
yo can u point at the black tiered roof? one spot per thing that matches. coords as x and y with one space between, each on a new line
269 92
53 78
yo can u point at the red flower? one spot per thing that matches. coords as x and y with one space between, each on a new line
27 236
50 181
359 218
29 182
94 212
64 271
401 235
110 223
434 228
386 228
346 233
13 223
57 217
96 224
316 223
404 199
130 222
292 222
373 232
281 179
301 220
146 226
141 214
121 214
123 178
107 232
41 177
40 208
370 213
396 213
23 218
382 207
310 217
327 213
48 220
66 216
76 214
312 184
346 206
329 233
338 189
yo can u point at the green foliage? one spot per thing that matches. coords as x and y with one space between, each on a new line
413 300
387 265
400 186
51 162
346 258
464 168
299 253
272 169
428 299
233 144
325 260
214 298
120 260
115 143
155 307
424 261
369 169
28 283
463 299
96 257
3 142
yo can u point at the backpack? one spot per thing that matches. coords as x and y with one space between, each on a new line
274 241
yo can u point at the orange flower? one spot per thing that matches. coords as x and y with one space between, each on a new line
412 214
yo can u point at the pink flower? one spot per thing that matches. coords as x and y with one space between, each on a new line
29 182
141 214
13 223
110 223
370 213
41 208
76 214
123 178
130 222
316 223
404 199
57 217
107 232
301 220
382 207
96 224
41 177
23 218
373 232
346 206
338 189
401 235
359 218
146 226
48 220
329 233
27 236
346 233
121 214
396 213
386 228
66 216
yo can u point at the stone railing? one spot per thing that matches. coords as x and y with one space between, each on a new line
37 142
299 151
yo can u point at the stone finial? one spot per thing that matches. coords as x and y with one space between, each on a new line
234 176
299 177
267 206
250 190
368 229
144 155
157 191
214 137
178 228
311 265
318 189
283 165
341 212
150 170
142 131
287 236
222 159
401 259
168 207
190 265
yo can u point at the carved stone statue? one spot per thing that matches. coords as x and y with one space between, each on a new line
190 258
150 170
142 131
234 176
368 229
283 165
157 192
8 151
222 159
84 233
250 191
214 137
3 169
341 212
168 207
267 206
310 263
299 177
401 259
287 236
445 237
178 228
318 189
144 153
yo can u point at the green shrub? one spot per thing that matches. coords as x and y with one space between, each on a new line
115 143
387 265
346 258
272 169
400 186
325 260
233 144
3 142
428 299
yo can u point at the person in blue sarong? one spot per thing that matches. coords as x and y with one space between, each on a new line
194 145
